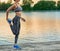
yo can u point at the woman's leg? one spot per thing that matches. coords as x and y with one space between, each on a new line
13 26
17 31
13 29
16 39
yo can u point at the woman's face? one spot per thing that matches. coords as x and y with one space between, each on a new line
17 0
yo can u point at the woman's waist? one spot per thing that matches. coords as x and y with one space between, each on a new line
18 14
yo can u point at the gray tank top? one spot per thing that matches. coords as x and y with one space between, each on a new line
18 9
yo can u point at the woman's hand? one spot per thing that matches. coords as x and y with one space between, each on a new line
23 19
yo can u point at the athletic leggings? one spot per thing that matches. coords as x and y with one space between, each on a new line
15 28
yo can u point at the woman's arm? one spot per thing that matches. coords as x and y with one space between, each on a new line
7 12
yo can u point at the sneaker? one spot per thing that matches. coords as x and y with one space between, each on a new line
9 21
17 47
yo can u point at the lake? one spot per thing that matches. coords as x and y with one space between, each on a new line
39 27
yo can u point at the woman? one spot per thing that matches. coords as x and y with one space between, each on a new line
15 27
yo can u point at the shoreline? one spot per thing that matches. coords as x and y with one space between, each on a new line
37 46
35 11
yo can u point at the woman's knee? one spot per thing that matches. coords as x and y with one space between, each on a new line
16 36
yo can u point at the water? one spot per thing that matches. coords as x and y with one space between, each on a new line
39 27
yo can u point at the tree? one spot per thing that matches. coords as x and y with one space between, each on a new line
25 2
9 1
58 5
45 5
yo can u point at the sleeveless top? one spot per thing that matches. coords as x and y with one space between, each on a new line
18 9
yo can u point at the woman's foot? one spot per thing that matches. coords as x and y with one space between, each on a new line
17 47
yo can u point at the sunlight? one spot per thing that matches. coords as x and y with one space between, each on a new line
3 0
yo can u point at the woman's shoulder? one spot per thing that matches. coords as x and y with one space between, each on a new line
14 4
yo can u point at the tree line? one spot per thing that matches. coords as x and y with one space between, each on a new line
40 5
